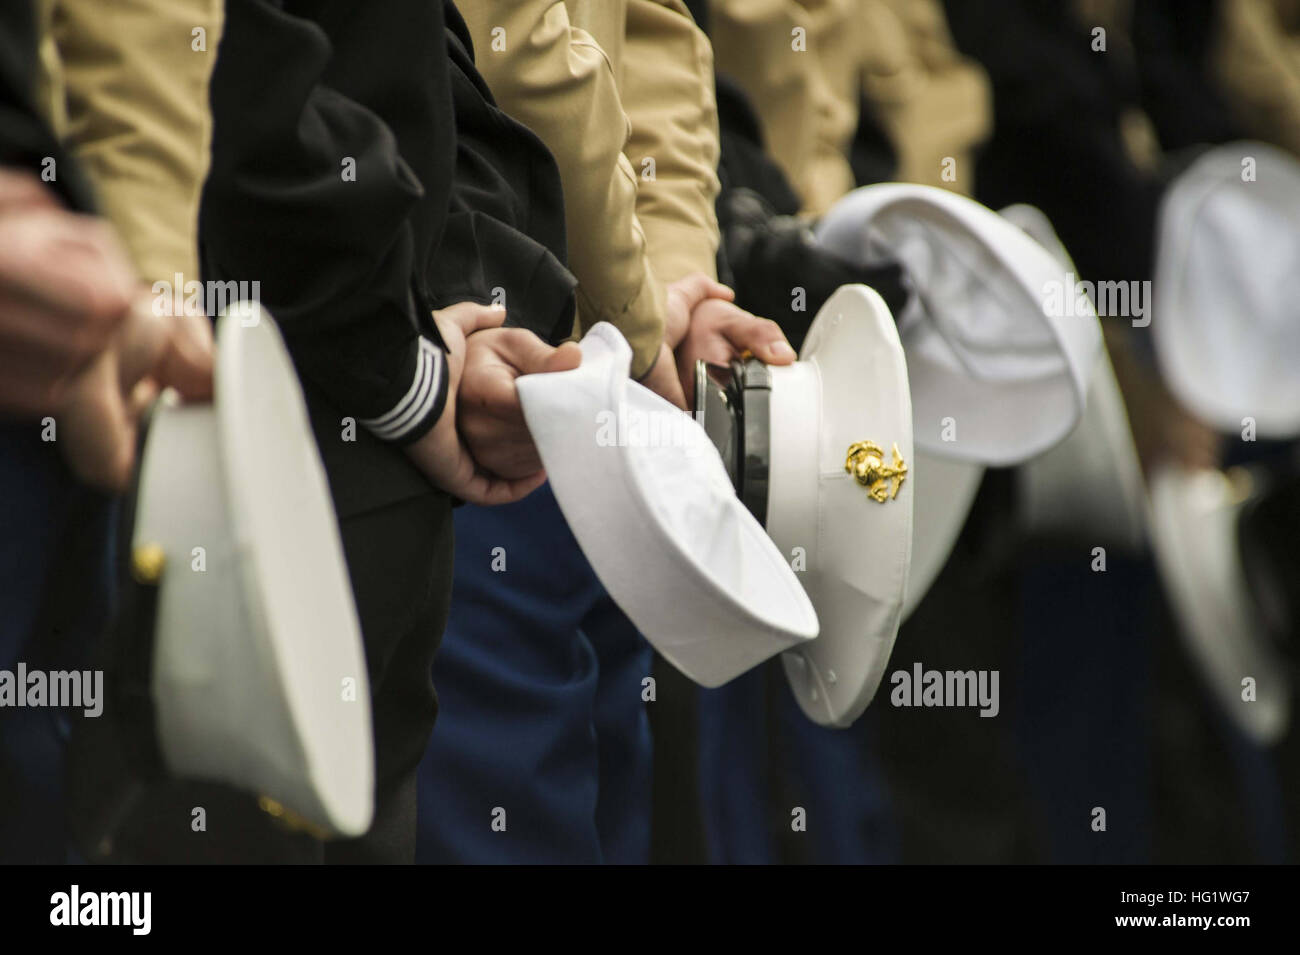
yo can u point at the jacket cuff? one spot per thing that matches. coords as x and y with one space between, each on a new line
423 401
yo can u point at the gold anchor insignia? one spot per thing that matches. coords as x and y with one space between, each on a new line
866 462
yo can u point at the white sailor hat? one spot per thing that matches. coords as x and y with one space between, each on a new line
1227 290
1194 533
258 678
654 511
999 349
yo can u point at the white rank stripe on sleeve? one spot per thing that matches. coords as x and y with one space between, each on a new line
419 399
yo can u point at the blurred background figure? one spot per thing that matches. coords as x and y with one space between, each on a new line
90 121
1099 693
1116 100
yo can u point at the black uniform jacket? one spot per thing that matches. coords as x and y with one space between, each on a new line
25 139
363 175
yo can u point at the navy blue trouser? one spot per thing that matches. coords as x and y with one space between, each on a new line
56 546
541 724
761 759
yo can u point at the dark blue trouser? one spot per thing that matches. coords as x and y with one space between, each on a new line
761 758
44 517
539 680
1087 704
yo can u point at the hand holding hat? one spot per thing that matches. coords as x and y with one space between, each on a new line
105 399
103 402
703 323
80 340
443 454
682 298
65 288
489 416
721 331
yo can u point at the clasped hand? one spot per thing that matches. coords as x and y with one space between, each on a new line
481 450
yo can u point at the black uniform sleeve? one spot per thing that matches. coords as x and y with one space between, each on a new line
309 195
504 240
25 139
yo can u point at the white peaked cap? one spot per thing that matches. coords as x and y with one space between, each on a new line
259 677
1194 536
849 386
985 347
649 501
1227 289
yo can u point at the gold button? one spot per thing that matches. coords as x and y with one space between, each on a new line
147 563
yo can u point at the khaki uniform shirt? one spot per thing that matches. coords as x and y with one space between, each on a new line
1257 64
621 92
125 85
804 63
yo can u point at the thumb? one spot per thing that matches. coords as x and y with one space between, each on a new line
186 364
472 317
529 355
716 289
565 358
142 341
